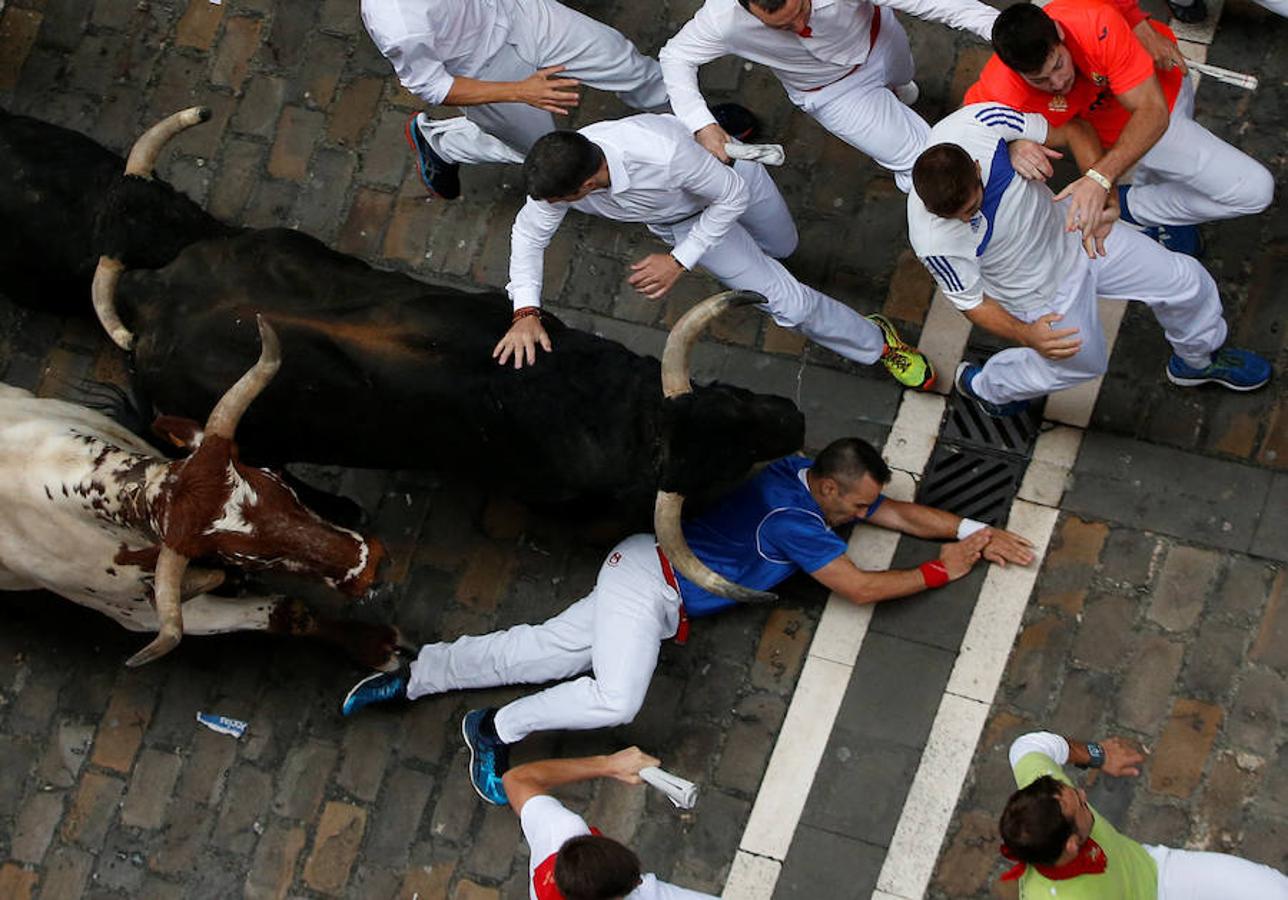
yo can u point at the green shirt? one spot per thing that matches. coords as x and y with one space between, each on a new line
1130 873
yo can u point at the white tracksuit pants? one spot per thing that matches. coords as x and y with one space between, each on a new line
746 258
1191 875
1192 176
615 632
1177 289
546 33
861 110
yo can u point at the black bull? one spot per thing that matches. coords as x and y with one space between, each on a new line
381 370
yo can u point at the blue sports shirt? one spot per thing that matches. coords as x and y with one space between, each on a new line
766 530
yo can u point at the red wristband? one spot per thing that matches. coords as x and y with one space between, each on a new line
934 572
524 311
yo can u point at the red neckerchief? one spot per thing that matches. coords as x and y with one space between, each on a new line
1091 860
543 877
806 32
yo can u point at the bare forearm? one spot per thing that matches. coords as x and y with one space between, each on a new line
472 92
876 587
1142 131
990 316
543 775
917 520
1082 142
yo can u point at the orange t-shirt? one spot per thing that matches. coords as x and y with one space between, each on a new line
1109 60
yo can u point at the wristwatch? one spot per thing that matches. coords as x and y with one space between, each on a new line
1097 754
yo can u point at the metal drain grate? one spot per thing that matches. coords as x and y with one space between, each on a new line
978 461
972 483
966 423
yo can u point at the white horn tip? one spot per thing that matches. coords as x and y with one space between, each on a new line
123 338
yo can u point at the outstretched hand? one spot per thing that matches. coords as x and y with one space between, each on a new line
1007 546
521 342
625 765
1088 203
1121 758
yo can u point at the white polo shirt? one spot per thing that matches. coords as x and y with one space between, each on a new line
548 824
658 174
838 41
1015 248
430 42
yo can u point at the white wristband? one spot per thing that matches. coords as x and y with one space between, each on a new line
1099 179
968 527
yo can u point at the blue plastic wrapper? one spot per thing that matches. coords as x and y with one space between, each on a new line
222 724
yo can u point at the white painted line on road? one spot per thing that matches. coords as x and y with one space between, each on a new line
795 758
932 798
1047 474
1002 598
943 339
751 876
1074 406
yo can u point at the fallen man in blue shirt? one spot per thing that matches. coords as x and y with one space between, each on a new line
776 524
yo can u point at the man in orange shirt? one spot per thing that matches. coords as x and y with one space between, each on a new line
1082 58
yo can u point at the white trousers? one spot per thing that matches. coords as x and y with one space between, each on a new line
615 632
746 258
1191 875
547 33
861 110
1192 176
1178 290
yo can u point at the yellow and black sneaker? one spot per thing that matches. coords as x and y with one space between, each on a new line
906 365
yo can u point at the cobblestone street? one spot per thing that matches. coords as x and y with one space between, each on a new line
1160 612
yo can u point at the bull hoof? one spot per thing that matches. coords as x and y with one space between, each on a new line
374 646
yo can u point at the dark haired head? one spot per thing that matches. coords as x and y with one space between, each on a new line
559 164
769 6
1033 826
945 178
593 867
1023 37
847 460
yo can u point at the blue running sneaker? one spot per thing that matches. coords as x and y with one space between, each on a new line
442 178
379 687
1177 238
1238 370
966 373
489 755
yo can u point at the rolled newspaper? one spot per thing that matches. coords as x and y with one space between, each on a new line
684 794
769 154
1238 79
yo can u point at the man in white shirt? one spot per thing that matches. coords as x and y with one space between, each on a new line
997 246
731 221
510 64
838 60
568 858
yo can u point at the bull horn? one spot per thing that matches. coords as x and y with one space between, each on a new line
675 358
165 589
666 511
144 153
670 537
238 398
106 276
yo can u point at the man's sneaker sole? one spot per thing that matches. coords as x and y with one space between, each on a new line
1195 382
344 704
416 151
465 735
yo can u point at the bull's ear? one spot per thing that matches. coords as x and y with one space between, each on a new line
178 431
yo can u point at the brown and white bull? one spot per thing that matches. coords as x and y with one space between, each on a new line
91 512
